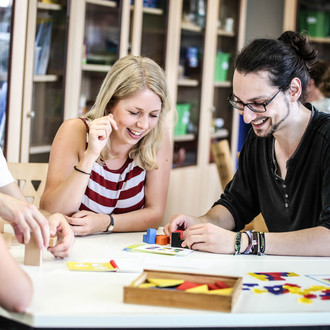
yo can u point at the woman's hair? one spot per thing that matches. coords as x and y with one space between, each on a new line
290 56
128 76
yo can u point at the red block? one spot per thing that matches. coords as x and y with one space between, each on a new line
188 285
221 285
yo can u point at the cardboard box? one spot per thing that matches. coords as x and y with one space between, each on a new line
177 298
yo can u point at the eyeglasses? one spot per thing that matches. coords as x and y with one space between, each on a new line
255 107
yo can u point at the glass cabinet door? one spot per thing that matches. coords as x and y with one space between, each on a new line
222 119
101 47
46 112
5 35
186 130
153 41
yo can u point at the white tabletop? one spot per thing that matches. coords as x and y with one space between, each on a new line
64 298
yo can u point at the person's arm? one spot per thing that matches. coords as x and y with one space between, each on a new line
65 186
16 288
156 188
23 216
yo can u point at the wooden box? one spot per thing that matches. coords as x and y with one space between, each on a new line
177 298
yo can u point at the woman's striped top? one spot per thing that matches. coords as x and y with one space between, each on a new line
114 191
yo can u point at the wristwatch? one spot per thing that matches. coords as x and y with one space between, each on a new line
111 225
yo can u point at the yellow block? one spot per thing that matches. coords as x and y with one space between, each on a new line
223 292
199 289
161 282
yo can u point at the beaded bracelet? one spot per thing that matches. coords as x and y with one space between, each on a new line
249 247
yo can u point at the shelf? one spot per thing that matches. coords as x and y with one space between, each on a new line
325 40
224 33
40 149
153 11
49 6
45 78
188 26
222 84
102 3
220 134
188 82
96 67
184 138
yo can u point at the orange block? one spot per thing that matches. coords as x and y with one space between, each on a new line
162 239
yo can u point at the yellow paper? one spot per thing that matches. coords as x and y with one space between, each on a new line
90 266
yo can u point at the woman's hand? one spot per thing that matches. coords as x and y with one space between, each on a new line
99 133
85 222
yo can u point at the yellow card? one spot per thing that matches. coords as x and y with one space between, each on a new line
90 266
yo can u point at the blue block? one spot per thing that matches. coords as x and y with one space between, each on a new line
150 237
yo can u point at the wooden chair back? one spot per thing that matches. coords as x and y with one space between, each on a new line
31 178
222 158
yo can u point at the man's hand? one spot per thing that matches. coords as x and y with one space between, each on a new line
180 221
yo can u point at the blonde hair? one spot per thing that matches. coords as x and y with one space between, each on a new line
127 76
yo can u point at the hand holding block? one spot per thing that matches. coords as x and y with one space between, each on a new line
32 255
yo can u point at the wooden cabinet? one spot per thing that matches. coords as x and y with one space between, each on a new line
102 31
43 91
194 183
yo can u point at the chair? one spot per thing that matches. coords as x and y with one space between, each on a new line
222 158
31 178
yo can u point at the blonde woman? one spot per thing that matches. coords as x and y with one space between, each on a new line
109 171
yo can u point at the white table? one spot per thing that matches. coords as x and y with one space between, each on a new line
64 298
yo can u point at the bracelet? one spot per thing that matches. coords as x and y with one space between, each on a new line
238 243
249 247
255 243
262 243
111 225
77 169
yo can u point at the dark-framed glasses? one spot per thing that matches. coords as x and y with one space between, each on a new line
255 107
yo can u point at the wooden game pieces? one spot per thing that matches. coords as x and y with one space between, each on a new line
33 255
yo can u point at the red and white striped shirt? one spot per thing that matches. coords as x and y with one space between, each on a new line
115 191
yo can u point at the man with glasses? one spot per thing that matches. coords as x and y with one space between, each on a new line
284 166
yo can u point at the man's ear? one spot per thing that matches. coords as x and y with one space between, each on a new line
295 89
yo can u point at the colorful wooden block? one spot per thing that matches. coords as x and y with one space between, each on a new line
150 237
176 241
162 239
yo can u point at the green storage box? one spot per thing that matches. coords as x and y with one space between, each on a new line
221 66
183 110
316 23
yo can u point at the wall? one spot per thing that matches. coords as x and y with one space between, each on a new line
264 19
